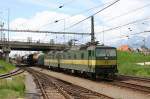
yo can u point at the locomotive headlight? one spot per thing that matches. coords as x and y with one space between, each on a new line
106 57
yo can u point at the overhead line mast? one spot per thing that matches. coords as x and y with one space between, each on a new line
92 30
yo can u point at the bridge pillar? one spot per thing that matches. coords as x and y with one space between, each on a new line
6 51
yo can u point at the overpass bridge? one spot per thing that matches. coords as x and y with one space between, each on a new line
7 46
30 46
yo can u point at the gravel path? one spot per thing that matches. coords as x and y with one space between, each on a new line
112 91
31 90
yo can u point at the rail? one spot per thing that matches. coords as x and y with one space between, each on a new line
68 90
134 78
14 73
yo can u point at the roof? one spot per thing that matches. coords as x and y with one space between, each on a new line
124 48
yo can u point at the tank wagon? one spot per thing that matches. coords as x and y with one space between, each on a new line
92 60
33 59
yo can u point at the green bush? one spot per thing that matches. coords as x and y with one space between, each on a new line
5 67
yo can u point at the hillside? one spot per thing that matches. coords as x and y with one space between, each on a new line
127 64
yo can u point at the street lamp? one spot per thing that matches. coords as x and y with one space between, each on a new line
144 48
56 21
103 36
8 21
61 6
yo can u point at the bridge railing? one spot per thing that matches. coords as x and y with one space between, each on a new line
28 41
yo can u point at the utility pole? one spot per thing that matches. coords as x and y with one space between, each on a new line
144 49
103 36
92 30
1 25
8 22
64 29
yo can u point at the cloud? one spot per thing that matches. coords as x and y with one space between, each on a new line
124 6
42 3
45 21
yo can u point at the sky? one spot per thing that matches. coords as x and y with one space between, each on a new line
42 14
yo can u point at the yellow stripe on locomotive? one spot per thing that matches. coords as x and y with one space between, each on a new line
83 62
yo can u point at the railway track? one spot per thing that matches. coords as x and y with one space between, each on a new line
16 72
132 86
133 83
134 78
51 87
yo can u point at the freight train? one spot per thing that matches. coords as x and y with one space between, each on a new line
87 60
33 59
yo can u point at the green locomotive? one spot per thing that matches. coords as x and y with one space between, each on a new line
95 60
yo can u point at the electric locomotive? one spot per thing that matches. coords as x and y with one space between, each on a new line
95 60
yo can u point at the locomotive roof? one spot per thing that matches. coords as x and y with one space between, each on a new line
99 46
92 47
82 47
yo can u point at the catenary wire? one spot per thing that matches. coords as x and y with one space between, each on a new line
136 21
93 14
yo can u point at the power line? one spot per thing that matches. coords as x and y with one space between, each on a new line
97 6
73 15
136 21
93 14
126 36
140 32
51 32
126 13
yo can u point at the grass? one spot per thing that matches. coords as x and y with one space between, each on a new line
127 64
5 67
12 88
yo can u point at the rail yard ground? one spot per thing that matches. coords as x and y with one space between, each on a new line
127 64
98 86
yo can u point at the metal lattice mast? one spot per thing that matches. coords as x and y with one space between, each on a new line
92 30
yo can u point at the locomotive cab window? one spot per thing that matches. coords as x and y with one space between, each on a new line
105 52
110 52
